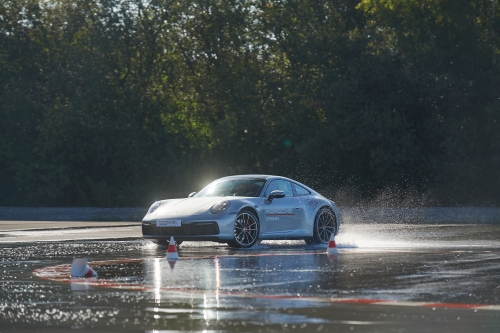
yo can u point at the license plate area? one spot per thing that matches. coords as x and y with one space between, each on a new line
168 223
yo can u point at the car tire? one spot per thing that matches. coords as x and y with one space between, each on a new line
324 225
246 230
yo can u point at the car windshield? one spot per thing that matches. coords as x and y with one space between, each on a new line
247 187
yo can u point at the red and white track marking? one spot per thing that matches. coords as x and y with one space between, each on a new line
61 273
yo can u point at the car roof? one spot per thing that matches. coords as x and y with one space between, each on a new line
252 176
267 177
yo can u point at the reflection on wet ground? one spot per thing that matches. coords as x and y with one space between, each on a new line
432 278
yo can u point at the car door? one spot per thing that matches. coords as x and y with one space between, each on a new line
283 214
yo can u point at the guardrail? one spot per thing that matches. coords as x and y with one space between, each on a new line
71 214
427 215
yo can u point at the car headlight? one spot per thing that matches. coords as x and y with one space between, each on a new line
154 207
220 207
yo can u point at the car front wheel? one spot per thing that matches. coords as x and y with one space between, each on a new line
246 230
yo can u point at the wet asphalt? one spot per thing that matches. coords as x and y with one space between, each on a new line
386 278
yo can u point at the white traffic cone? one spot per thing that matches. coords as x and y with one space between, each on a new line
332 246
80 268
172 250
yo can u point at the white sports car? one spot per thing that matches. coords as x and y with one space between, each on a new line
240 210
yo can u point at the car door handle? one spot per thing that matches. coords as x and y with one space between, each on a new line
298 207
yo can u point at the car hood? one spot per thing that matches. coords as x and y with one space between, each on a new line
187 206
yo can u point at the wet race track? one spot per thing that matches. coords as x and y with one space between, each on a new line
386 278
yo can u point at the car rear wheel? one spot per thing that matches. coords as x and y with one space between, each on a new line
324 226
246 230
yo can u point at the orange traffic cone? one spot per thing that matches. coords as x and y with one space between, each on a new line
332 246
172 250
80 268
172 263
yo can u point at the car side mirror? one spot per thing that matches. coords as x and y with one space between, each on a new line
276 194
192 194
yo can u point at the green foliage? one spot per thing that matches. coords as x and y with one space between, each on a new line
111 103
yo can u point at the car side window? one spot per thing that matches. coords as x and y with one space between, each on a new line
281 185
300 191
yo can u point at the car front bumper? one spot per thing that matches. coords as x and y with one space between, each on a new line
194 228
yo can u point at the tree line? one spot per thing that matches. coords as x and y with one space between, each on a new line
121 102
